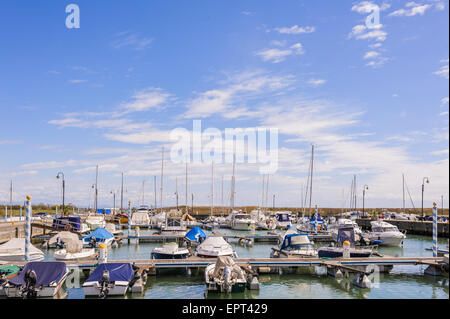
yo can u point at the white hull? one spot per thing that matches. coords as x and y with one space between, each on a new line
63 255
283 225
44 292
388 239
18 258
238 225
118 288
107 242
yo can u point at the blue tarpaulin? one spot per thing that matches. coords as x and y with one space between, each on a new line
100 235
46 273
195 234
117 272
104 211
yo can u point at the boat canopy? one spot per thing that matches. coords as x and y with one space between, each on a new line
104 211
283 217
295 240
100 234
346 234
195 234
46 273
117 272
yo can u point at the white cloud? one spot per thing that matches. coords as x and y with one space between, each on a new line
128 39
77 81
413 9
278 55
364 7
444 100
378 62
371 55
295 30
146 99
317 82
443 71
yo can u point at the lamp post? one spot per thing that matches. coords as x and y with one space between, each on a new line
364 195
63 190
425 180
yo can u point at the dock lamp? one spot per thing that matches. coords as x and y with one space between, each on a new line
364 195
425 180
63 190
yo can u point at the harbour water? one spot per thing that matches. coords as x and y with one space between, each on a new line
403 282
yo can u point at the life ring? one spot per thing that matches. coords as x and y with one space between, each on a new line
67 227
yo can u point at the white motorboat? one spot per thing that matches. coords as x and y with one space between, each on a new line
214 246
296 245
140 218
97 237
225 276
241 221
385 234
110 279
263 221
73 250
37 279
14 250
345 223
94 221
170 251
174 224
283 220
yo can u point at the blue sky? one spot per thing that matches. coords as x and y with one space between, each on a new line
373 101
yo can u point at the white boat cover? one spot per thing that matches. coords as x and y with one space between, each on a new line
64 235
222 262
140 218
16 246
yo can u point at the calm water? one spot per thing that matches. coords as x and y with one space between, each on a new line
402 282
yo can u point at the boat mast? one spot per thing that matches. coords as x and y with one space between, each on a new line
232 183
121 195
262 196
403 184
212 187
311 174
267 191
187 209
96 188
162 176
154 183
10 198
221 210
143 192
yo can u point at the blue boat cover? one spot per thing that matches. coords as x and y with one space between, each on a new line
46 273
100 234
117 272
287 240
346 234
283 217
195 234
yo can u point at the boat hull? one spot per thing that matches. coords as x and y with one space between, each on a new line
118 288
43 292
156 255
328 253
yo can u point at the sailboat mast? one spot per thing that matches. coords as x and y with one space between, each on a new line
232 183
96 187
187 210
121 195
267 191
162 176
403 184
310 185
212 187
176 190
143 192
262 196
154 182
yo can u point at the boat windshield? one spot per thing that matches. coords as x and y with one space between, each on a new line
242 216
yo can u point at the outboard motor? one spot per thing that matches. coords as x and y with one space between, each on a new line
104 282
92 242
59 244
136 275
227 278
30 278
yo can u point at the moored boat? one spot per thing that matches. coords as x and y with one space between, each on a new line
385 234
110 279
225 276
295 245
97 237
346 245
169 251
37 279
214 246
14 250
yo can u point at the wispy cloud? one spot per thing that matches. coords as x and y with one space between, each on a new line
128 39
443 71
295 30
317 82
277 55
146 99
77 81
411 9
